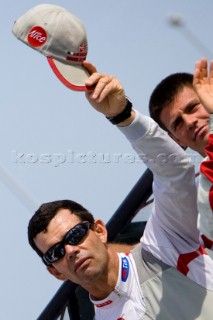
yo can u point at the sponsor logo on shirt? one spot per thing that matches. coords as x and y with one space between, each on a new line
104 304
125 270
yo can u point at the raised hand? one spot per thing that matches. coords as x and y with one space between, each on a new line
203 83
107 94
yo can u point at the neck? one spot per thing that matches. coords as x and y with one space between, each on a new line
107 281
202 153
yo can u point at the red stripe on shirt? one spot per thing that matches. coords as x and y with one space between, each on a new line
208 243
185 258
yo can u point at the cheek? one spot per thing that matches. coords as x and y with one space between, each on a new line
202 114
98 249
183 135
180 136
205 113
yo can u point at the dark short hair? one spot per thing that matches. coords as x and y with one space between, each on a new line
166 92
46 212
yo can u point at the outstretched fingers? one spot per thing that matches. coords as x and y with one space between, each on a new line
211 72
203 69
203 83
200 73
197 74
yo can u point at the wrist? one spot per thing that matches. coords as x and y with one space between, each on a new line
124 115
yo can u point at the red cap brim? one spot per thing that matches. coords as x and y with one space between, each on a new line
73 77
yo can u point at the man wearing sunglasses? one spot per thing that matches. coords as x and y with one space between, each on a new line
74 246
170 276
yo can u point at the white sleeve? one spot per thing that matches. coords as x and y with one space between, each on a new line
175 206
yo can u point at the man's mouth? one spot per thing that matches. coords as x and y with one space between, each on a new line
82 262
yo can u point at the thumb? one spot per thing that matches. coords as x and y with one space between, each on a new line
90 67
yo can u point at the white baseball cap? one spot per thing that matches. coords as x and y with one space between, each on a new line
61 37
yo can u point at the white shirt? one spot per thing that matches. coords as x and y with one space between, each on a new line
171 233
126 301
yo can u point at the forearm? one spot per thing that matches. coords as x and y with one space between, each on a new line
174 177
155 148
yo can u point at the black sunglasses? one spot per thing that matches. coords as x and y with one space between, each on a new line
72 237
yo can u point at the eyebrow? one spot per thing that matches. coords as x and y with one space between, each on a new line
175 121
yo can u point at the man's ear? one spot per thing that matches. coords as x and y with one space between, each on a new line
54 272
177 141
100 230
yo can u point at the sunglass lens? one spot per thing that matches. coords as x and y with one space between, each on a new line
76 234
55 253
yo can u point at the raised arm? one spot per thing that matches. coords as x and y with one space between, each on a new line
159 152
174 178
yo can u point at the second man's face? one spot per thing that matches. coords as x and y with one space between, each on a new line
187 120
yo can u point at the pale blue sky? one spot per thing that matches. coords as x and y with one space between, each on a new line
130 39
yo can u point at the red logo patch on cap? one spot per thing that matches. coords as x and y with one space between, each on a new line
37 36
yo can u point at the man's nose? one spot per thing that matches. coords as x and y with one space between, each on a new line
189 120
70 250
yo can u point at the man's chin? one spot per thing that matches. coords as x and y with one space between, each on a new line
200 145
